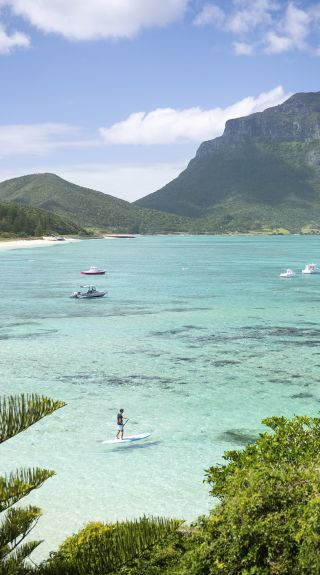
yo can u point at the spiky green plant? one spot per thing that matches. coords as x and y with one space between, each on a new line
17 413
102 549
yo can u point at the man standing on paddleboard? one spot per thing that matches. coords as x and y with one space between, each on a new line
120 424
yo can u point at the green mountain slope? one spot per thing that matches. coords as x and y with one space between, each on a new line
86 207
263 172
17 220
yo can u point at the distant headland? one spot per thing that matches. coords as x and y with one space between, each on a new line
261 176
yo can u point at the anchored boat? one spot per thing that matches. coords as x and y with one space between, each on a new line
90 292
311 269
93 271
287 274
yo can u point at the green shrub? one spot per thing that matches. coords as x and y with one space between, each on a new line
268 518
99 548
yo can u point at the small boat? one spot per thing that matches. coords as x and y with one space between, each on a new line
287 274
93 271
311 269
53 238
90 292
119 236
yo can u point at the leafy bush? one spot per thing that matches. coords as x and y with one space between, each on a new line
267 521
99 548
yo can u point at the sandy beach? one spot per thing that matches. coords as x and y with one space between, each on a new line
17 244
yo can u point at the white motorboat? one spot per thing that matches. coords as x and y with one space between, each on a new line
90 292
289 273
93 271
311 269
53 238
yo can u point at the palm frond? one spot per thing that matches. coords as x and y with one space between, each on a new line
18 412
19 483
16 525
16 562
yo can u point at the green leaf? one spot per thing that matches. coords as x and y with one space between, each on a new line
16 525
15 563
18 484
18 412
103 549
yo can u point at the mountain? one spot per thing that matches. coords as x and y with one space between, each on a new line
262 173
88 208
17 220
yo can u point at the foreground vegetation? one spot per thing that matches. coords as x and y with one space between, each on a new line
265 520
97 549
17 413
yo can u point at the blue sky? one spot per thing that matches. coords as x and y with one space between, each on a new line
117 95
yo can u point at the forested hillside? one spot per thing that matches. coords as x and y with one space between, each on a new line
261 176
264 172
88 208
17 220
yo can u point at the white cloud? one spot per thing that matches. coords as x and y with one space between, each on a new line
162 126
38 139
167 125
242 48
210 14
9 42
293 31
270 25
94 19
297 24
250 14
276 44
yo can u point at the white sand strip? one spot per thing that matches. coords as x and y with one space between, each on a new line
17 244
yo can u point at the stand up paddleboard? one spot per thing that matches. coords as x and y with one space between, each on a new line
127 439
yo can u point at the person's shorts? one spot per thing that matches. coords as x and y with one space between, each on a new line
120 427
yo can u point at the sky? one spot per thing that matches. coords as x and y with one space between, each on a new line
117 95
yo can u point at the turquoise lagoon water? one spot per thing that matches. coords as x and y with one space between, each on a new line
198 340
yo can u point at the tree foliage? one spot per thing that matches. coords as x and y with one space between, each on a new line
100 549
267 520
88 208
17 413
197 202
21 220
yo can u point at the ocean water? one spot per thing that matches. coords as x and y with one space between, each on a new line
198 339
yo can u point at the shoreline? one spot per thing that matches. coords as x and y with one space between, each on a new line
40 243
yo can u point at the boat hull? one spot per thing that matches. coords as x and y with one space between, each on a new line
93 273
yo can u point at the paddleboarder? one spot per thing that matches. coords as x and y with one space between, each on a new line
120 424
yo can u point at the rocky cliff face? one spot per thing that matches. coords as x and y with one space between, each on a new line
297 119
266 161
